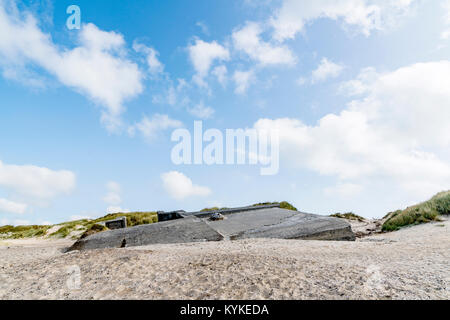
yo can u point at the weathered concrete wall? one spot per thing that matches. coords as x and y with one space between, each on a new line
205 214
282 224
184 230
257 223
172 215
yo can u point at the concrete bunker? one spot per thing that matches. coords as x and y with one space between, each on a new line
268 221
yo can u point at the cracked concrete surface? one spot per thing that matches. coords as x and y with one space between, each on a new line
271 222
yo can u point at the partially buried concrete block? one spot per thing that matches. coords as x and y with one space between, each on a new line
119 223
239 223
184 230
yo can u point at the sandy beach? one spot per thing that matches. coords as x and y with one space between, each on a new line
413 263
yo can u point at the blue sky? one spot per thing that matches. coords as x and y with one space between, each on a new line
358 89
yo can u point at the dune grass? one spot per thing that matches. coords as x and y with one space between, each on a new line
421 213
66 228
283 205
212 209
20 232
133 218
348 216
95 228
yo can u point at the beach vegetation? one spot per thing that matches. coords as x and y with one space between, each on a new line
424 212
348 216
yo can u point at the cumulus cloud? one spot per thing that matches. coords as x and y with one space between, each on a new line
248 40
397 130
151 127
116 209
113 198
326 70
79 217
445 35
180 187
365 15
242 80
175 95
154 65
203 55
36 182
97 68
201 111
7 206
360 85
221 74
32 185
203 27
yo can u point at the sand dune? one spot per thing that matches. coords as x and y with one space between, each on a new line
413 263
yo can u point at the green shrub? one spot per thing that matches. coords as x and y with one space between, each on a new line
287 205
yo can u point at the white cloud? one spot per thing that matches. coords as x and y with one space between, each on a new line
116 209
221 74
7 206
154 65
179 187
174 95
113 196
398 131
242 80
326 70
98 67
203 27
365 15
445 35
247 39
361 84
301 81
201 111
203 55
446 6
79 217
151 127
36 182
